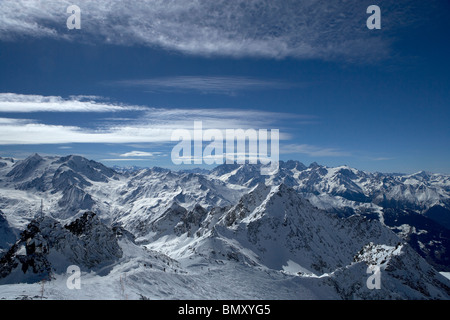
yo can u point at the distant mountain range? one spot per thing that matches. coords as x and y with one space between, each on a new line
304 232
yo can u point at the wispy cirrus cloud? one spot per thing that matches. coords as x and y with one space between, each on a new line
223 118
21 103
134 156
20 132
217 118
228 85
123 159
153 126
139 154
257 28
150 125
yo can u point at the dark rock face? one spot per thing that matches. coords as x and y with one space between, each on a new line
7 236
46 246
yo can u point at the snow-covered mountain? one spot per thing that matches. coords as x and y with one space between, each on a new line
415 206
304 232
420 191
46 247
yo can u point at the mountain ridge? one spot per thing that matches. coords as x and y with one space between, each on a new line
314 223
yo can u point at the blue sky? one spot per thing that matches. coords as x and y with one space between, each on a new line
376 100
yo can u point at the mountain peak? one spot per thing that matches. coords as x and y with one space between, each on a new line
421 174
26 167
93 170
85 222
35 156
283 188
314 165
292 164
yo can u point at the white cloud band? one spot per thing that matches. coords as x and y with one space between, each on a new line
154 125
21 103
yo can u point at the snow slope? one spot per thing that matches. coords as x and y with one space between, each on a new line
231 233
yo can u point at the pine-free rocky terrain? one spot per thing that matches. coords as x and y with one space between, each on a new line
305 232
